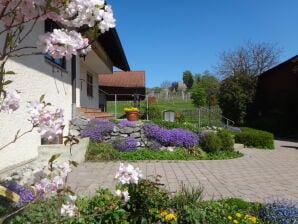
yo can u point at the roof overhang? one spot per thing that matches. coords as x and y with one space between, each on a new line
112 45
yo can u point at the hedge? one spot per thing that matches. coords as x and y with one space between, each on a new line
255 138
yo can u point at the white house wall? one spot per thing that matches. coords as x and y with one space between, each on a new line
34 77
92 65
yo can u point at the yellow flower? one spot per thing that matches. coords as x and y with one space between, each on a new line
128 109
171 217
163 213
235 221
238 215
253 219
230 217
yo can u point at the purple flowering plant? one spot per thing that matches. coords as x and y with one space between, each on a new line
280 211
171 137
26 194
97 129
233 128
126 123
126 144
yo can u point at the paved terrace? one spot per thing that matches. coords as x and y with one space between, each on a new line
257 176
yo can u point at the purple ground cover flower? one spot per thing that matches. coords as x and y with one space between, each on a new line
126 144
97 129
280 211
26 195
126 123
235 128
171 137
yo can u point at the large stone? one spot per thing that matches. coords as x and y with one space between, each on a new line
126 130
116 129
136 135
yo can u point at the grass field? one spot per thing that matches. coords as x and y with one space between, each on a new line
176 105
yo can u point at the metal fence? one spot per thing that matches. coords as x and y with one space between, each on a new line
201 116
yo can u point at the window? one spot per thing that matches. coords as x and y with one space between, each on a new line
49 27
89 85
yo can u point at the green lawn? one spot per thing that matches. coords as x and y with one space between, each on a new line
175 105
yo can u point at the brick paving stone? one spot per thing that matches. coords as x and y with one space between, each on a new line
257 176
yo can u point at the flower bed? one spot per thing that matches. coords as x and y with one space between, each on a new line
138 200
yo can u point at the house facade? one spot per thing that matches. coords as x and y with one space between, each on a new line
66 84
122 86
276 103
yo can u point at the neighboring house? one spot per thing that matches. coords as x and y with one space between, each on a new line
66 84
276 104
121 86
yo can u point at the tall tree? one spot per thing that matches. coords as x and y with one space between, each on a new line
205 89
236 93
249 59
197 77
166 84
188 79
174 86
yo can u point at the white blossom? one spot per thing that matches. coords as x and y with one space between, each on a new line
128 174
124 195
69 209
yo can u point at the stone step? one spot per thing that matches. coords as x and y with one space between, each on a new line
94 113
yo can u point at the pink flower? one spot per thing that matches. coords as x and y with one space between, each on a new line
50 123
11 102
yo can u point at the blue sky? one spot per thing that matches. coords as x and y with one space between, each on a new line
165 37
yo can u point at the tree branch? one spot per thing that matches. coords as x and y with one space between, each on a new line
17 136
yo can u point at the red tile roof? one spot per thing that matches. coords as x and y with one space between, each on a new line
122 79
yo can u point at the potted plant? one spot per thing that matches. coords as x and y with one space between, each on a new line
132 113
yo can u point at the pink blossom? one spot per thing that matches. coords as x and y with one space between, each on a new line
50 123
11 102
61 43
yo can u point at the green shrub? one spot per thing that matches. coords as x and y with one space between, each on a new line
186 203
210 142
153 113
226 140
38 212
149 154
238 203
187 196
98 151
221 155
104 207
145 197
255 138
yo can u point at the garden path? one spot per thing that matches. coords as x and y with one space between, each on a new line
257 176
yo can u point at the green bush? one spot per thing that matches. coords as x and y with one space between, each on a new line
226 140
145 197
186 203
153 113
98 151
104 207
255 138
210 142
